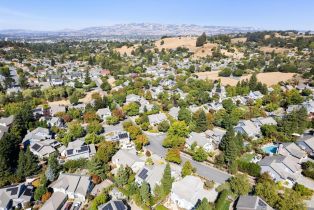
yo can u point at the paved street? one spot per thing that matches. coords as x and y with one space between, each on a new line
204 170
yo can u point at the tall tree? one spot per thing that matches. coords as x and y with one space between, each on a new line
145 193
201 122
166 181
187 169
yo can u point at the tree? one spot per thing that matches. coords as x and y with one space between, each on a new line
92 138
201 122
145 193
163 126
291 200
185 115
98 168
122 177
187 169
140 141
173 155
231 145
131 109
94 127
178 128
200 155
240 184
166 181
87 79
98 200
105 86
106 150
74 99
204 205
201 40
134 131
253 82
75 129
53 167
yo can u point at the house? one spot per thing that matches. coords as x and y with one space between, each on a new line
103 113
155 119
55 121
260 121
120 136
215 106
15 196
216 134
293 150
54 109
132 98
44 148
98 188
6 121
187 192
73 185
201 140
281 168
55 202
174 112
38 134
116 194
151 174
248 128
128 158
249 202
307 145
254 95
78 149
113 205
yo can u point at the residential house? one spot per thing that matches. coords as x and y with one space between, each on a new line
155 119
103 113
128 158
201 140
6 121
248 128
132 98
74 185
216 135
55 202
120 136
38 134
15 196
249 202
188 192
281 168
293 150
151 174
260 121
44 148
174 112
54 109
254 95
307 144
78 149
113 205
98 188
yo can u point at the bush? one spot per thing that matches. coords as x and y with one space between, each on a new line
226 72
173 155
252 169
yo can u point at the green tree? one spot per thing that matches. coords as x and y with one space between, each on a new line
131 109
145 193
53 167
200 155
201 122
98 200
204 205
173 155
185 115
166 181
94 127
163 126
291 200
98 168
201 40
122 177
240 185
87 79
187 169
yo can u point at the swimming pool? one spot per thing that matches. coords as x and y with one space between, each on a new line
270 149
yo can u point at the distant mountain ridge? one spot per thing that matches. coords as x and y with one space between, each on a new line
130 30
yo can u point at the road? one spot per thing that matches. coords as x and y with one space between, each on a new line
202 169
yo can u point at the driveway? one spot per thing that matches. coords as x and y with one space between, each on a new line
204 170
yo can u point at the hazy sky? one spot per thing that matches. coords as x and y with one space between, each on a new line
75 14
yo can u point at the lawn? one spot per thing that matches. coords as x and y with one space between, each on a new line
161 207
247 157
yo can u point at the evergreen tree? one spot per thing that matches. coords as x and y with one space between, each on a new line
122 177
187 169
204 205
87 78
99 168
145 193
166 181
184 115
53 167
253 82
201 40
31 163
21 165
201 122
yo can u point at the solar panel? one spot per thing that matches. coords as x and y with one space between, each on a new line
108 207
28 192
36 147
83 149
70 151
123 135
13 190
143 175
119 205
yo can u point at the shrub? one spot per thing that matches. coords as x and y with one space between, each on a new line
252 169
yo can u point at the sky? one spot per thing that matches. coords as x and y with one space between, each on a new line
77 14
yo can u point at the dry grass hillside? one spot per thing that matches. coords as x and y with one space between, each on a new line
269 78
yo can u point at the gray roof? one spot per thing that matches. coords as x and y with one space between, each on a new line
252 203
113 205
153 174
55 201
6 121
126 157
